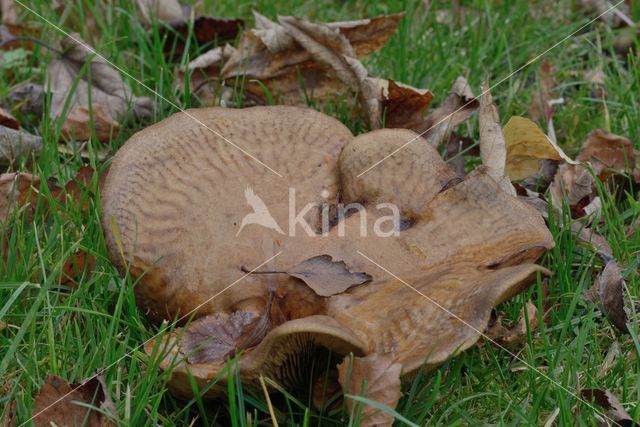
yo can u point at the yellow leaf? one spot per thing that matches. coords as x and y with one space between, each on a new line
527 145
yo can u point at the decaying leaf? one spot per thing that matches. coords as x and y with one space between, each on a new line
61 404
211 339
162 10
527 145
402 106
456 109
327 277
375 377
606 153
614 409
508 335
7 120
329 47
204 73
82 121
610 285
206 30
298 61
493 150
17 143
15 191
106 86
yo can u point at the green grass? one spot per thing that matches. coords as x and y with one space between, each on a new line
51 329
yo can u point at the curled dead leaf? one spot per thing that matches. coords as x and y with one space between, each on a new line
329 47
493 149
375 377
402 106
456 109
606 154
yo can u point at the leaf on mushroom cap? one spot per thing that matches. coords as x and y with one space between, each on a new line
465 245
327 277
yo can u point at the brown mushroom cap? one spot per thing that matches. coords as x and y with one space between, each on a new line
175 198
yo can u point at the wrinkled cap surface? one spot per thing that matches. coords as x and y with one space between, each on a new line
177 195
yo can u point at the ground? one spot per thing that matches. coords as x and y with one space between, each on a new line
51 329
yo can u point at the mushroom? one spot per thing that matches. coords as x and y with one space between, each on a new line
173 209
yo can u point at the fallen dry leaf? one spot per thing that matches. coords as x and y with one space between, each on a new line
493 150
326 391
610 285
611 288
607 154
162 10
375 377
106 87
15 192
206 31
17 143
211 339
527 145
614 409
508 335
61 404
204 73
311 66
330 48
327 277
82 121
456 109
402 106
7 120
